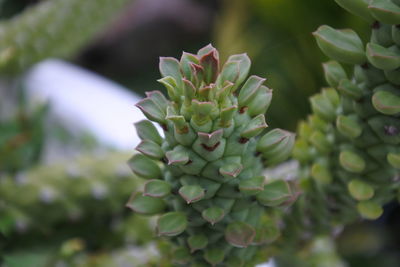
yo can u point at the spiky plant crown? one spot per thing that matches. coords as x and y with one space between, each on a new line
348 148
205 176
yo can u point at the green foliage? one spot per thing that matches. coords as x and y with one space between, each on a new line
351 168
55 28
205 175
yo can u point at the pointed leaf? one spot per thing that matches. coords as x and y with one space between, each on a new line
239 234
382 57
275 194
230 170
341 45
177 156
157 188
145 204
197 242
144 167
191 193
213 214
146 130
249 90
150 149
171 224
254 184
357 7
254 127
385 11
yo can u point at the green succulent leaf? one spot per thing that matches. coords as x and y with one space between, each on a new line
239 234
386 102
341 45
360 190
171 224
157 188
369 210
150 149
275 194
213 214
191 193
352 162
144 167
385 11
382 57
357 7
197 242
146 130
145 204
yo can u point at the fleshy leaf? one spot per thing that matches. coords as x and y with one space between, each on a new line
213 214
360 190
239 234
145 204
352 162
171 224
197 242
150 149
146 130
157 188
144 167
191 193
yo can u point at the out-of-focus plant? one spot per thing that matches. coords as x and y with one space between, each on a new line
56 28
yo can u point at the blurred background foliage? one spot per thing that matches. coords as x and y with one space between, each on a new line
72 213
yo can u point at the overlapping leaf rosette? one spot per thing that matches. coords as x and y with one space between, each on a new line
349 148
205 175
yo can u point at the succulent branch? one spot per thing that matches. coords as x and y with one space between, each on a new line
54 28
205 175
348 147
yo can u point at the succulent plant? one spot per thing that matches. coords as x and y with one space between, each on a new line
205 175
348 147
54 28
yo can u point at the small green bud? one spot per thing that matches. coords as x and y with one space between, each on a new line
261 102
213 214
171 224
197 242
334 73
369 210
191 193
249 90
341 45
385 11
360 190
348 126
276 145
144 167
254 127
157 188
386 102
145 204
351 161
239 234
382 57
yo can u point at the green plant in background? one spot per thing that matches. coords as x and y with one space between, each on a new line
276 35
56 28
79 201
205 176
348 148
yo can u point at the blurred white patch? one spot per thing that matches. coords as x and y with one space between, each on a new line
86 102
